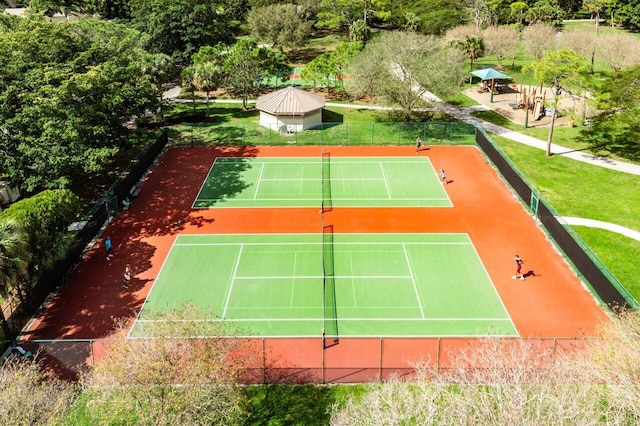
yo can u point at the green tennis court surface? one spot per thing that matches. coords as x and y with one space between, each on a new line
304 182
385 285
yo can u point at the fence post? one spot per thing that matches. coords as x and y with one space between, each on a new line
264 363
438 356
347 132
373 133
323 351
380 362
93 360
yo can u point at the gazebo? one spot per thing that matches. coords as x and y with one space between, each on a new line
490 74
290 110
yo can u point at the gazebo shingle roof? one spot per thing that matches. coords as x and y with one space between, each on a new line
290 101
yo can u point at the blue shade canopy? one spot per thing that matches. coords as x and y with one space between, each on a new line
489 74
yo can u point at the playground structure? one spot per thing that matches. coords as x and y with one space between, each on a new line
532 100
525 105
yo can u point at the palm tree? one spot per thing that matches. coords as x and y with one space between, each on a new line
359 31
14 260
207 77
473 47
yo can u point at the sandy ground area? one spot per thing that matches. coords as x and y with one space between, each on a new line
509 95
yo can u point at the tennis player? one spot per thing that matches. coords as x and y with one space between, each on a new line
519 263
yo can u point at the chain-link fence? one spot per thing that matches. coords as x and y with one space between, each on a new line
338 134
603 283
353 360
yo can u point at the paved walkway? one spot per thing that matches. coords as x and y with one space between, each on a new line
579 221
465 114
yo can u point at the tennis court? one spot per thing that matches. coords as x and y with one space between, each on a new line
295 285
313 182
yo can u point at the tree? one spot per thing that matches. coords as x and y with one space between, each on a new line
443 15
596 7
473 47
547 11
397 69
44 219
619 50
561 69
339 14
359 31
279 25
205 77
503 382
180 27
15 256
538 38
411 22
245 65
320 69
29 397
51 7
579 40
168 377
341 57
615 127
627 13
518 11
111 9
67 91
480 12
500 41
468 40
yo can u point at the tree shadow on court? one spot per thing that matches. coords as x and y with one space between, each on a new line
165 205
93 298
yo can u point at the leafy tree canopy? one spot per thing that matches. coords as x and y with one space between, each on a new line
66 91
246 64
615 128
279 25
44 218
179 27
391 66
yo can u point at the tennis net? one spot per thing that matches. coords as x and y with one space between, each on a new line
327 203
330 311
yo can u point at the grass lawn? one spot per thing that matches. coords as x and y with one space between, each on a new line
567 137
264 405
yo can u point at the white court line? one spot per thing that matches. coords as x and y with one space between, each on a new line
415 288
341 277
386 184
293 284
204 182
310 243
340 319
314 161
493 286
317 179
338 199
255 193
146 299
233 279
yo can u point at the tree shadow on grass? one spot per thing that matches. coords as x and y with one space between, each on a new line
289 404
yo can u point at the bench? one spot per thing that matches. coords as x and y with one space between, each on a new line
134 191
20 351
